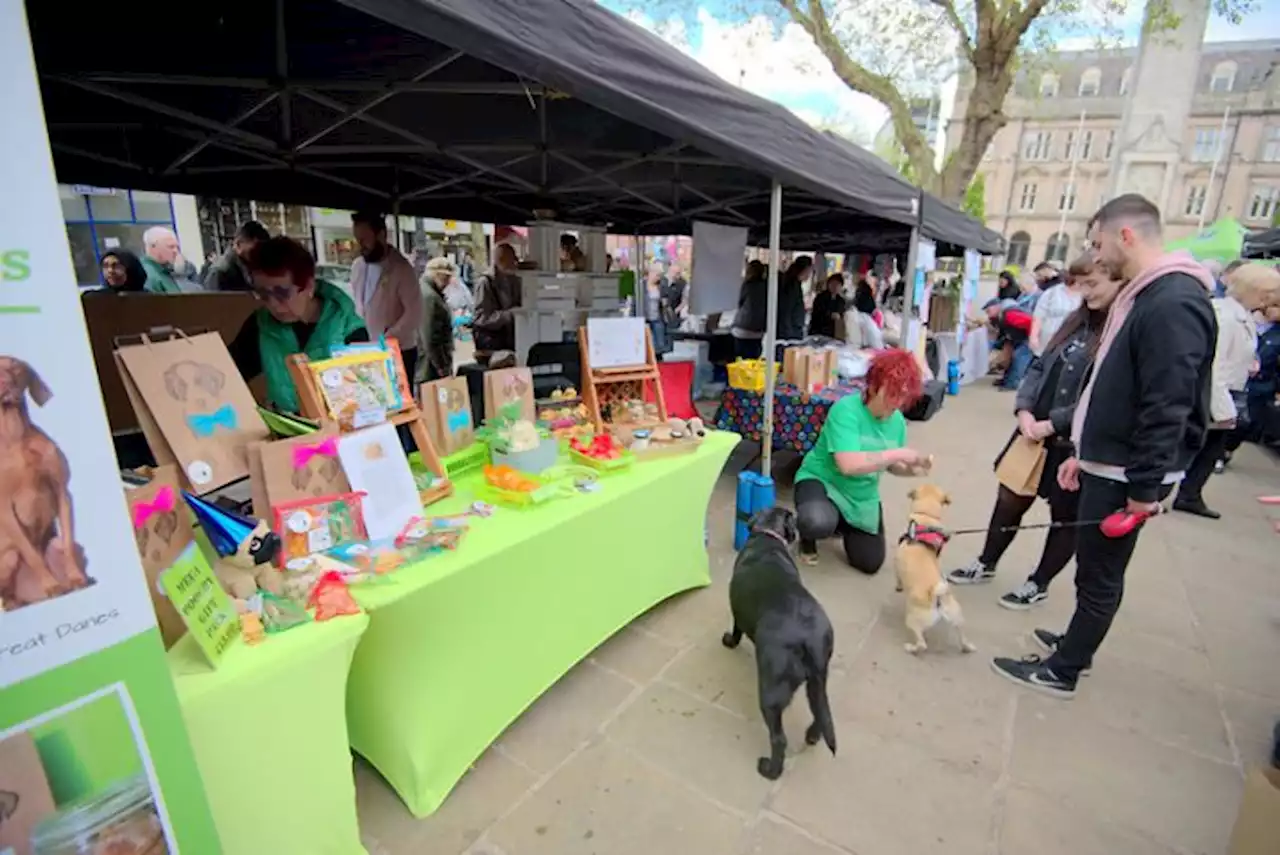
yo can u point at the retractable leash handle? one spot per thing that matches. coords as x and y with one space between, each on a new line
1124 522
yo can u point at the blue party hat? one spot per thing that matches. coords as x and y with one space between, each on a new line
226 529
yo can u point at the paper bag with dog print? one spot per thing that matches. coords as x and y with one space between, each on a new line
194 407
447 406
506 385
304 467
162 530
25 796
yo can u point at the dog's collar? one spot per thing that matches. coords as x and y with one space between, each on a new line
775 536
931 536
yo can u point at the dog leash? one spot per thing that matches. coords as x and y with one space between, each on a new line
1114 525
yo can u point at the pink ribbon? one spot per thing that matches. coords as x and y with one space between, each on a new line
164 502
302 454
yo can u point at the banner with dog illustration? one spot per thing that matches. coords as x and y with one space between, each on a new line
194 407
83 675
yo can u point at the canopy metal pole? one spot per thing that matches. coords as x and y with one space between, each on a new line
1213 171
771 327
1071 182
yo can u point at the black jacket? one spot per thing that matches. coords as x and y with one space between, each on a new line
228 273
1149 408
825 308
1070 362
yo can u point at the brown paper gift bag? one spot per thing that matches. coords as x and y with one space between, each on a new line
446 404
25 797
162 530
505 385
1021 466
302 467
1257 828
193 406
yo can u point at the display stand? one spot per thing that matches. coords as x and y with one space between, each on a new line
312 406
604 387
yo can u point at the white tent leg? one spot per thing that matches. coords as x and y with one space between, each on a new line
771 328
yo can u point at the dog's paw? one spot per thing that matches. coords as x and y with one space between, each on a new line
729 640
767 770
915 649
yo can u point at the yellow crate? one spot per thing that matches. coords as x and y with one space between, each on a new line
748 374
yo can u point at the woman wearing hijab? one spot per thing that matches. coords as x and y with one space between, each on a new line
122 272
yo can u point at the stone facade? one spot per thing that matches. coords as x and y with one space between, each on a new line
1172 122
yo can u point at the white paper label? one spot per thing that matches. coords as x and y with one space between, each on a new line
299 522
199 472
319 539
331 378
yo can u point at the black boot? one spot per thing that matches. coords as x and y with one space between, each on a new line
1196 506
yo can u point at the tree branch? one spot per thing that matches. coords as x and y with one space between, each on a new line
953 17
861 79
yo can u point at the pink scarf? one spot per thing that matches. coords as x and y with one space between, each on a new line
1179 261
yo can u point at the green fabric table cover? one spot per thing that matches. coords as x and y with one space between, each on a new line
269 732
460 644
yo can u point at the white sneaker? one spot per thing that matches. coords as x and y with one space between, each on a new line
973 573
1025 596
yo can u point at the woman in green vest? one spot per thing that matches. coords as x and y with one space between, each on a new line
299 314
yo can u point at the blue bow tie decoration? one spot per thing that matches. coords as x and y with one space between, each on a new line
206 424
458 421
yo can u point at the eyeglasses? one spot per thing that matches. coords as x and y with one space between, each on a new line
278 293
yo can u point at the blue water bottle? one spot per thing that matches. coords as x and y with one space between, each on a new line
953 377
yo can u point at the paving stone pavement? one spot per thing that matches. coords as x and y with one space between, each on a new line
649 746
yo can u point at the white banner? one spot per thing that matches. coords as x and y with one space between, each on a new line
719 254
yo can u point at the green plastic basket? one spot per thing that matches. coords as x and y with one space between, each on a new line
622 461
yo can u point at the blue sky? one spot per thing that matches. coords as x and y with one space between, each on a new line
715 33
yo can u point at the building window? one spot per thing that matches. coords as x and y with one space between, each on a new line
1019 249
1195 200
1090 83
99 219
1224 77
1057 247
1048 85
1111 145
1067 200
1207 145
1036 145
1125 80
1086 145
1028 200
1271 145
1069 151
1265 203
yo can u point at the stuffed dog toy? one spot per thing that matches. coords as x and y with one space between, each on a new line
39 557
791 633
929 597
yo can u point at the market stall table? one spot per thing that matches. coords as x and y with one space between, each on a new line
460 644
797 418
269 732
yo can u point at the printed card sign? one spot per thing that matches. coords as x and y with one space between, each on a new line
202 603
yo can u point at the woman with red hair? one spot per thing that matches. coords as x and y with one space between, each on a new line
838 485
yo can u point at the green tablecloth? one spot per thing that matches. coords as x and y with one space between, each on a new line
461 644
269 731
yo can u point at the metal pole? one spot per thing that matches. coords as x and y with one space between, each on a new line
771 327
1071 176
1213 171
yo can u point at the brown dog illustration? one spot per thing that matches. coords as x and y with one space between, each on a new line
39 557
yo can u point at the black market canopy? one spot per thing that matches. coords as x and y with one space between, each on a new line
485 111
1264 244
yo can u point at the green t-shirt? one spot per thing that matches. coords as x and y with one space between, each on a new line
851 427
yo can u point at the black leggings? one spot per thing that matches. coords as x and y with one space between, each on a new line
1059 543
818 518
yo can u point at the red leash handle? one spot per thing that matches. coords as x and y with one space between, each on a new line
1122 523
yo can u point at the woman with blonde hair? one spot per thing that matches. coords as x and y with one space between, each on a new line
1243 382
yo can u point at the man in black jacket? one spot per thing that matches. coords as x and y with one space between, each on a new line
1139 423
231 272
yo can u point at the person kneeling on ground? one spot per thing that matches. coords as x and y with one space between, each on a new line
299 314
1044 409
838 485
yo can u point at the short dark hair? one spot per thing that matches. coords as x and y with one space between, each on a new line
253 230
1045 265
1132 208
279 255
568 241
373 219
1235 265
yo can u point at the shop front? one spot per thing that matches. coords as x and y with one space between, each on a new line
99 219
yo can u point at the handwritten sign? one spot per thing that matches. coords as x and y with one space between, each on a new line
616 342
201 603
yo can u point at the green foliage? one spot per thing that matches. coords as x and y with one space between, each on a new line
975 198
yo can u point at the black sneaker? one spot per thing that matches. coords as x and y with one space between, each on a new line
973 573
1049 641
1031 672
1025 596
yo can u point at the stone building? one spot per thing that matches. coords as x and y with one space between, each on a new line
1136 120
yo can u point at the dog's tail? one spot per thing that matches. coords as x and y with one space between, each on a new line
815 666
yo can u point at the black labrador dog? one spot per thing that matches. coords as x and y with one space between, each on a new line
791 632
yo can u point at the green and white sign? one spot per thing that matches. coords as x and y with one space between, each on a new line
93 751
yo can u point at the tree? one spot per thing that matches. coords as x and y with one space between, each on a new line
975 198
892 49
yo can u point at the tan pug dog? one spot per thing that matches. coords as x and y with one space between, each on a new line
929 597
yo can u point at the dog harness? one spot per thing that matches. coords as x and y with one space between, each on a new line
931 536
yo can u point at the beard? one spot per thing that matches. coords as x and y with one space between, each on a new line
375 253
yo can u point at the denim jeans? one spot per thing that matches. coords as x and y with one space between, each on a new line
1018 365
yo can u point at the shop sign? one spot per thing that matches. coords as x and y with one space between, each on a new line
90 190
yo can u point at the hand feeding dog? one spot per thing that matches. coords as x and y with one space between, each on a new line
791 633
929 597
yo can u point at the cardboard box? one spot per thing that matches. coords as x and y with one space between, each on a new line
25 797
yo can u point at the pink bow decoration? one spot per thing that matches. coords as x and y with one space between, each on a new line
164 502
302 454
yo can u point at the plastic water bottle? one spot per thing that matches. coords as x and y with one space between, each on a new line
953 377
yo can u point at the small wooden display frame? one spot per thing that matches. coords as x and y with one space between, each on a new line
602 387
311 403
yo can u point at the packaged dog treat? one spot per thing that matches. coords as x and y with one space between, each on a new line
308 526
358 389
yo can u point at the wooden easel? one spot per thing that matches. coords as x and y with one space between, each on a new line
603 387
311 403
